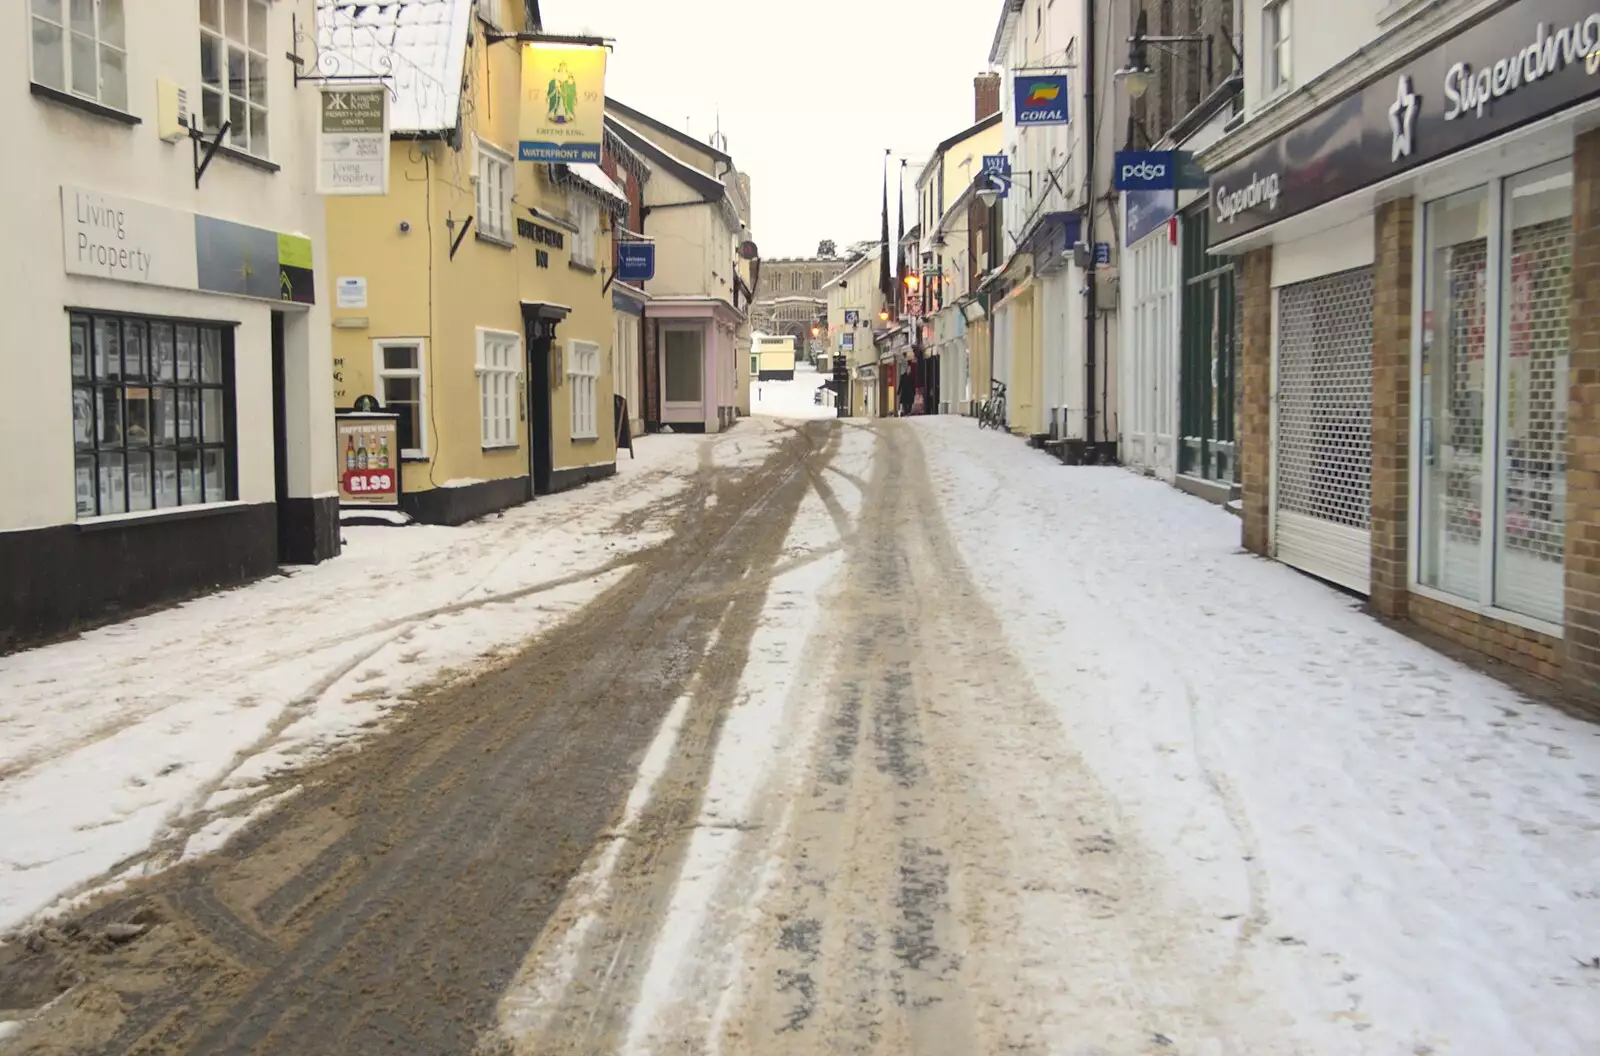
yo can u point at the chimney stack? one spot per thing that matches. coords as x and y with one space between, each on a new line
985 96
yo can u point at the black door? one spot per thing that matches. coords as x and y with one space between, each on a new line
280 439
541 455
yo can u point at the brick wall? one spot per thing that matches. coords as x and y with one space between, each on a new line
652 377
985 96
1538 654
1582 630
1391 405
1255 378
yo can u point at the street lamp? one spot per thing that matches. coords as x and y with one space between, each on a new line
994 185
1136 75
816 331
883 315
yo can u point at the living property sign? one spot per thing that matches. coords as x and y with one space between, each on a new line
353 141
563 103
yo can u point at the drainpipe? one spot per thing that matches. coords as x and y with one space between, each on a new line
1090 293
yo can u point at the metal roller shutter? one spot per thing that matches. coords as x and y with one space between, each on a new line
1322 465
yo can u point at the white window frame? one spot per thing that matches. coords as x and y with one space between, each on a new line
583 380
492 179
499 372
380 372
586 218
1494 179
226 37
1277 52
39 15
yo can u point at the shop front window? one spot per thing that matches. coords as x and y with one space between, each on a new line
152 413
682 366
1454 314
1493 389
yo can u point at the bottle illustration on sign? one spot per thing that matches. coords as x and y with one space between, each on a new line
350 451
383 451
361 453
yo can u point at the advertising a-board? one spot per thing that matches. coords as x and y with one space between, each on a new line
369 459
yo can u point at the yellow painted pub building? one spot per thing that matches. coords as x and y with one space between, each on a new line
472 298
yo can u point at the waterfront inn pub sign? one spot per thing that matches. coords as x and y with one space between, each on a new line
563 103
1521 62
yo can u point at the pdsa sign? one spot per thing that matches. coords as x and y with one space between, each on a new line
1041 99
563 103
1144 170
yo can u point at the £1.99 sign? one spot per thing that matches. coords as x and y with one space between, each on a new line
369 482
369 459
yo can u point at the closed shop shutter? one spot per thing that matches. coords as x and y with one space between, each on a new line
1322 466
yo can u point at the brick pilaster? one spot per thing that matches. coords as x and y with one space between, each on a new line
1581 641
1391 404
1254 286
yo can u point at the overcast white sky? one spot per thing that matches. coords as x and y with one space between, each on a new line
811 92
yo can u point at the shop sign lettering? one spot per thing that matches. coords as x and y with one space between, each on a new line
1466 90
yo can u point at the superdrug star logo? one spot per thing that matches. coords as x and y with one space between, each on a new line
1402 120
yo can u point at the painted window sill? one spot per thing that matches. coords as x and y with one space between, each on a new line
235 154
586 439
587 268
493 240
141 518
88 106
500 447
413 457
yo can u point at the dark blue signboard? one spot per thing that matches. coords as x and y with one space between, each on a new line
996 163
1145 170
636 261
1146 211
1041 99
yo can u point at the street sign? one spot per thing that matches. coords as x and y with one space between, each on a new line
852 317
636 261
1102 254
847 342
1041 99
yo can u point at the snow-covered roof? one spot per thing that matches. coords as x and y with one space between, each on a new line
596 177
419 45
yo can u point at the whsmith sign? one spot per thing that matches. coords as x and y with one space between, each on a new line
1520 63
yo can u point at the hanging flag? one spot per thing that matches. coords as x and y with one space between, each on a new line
885 280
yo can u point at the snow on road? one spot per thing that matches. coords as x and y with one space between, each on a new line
142 742
1408 848
1152 794
791 399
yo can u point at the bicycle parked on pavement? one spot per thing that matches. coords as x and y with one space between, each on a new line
992 412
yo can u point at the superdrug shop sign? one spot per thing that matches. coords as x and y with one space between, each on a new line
1522 62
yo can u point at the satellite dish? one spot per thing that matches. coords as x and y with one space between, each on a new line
748 250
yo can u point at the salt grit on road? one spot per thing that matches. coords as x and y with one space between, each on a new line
1209 808
140 743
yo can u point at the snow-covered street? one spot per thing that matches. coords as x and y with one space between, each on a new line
842 736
